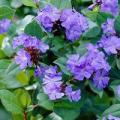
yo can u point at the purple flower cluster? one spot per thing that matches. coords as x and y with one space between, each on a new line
73 95
110 6
110 44
108 27
4 25
111 117
118 90
48 16
55 88
30 48
92 65
74 23
109 41
52 83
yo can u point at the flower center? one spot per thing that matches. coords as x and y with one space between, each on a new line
118 53
34 53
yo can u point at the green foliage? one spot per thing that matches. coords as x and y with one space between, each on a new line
6 12
20 94
113 110
117 24
28 3
34 29
59 4
10 102
44 101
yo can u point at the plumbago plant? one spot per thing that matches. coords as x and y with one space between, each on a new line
59 60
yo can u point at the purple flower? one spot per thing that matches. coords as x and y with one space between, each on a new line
53 90
101 79
31 46
23 59
52 84
48 16
111 44
83 67
54 87
108 27
110 117
4 25
95 3
79 67
118 90
74 33
19 40
39 71
51 75
110 6
74 23
97 58
65 13
72 95
91 65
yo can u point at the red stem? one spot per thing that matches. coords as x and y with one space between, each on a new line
25 116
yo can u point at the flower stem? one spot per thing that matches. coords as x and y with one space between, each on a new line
25 115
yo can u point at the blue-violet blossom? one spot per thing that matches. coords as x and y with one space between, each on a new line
74 23
48 16
30 49
4 25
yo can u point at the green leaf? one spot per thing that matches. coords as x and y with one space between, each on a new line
34 29
67 114
4 63
2 55
99 17
17 117
28 3
114 74
96 90
22 78
81 49
23 97
10 102
8 73
16 3
44 101
24 22
4 115
61 4
68 110
61 62
6 12
93 32
117 24
118 63
102 17
113 110
68 105
7 47
57 43
9 82
114 86
4 3
53 116
12 69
